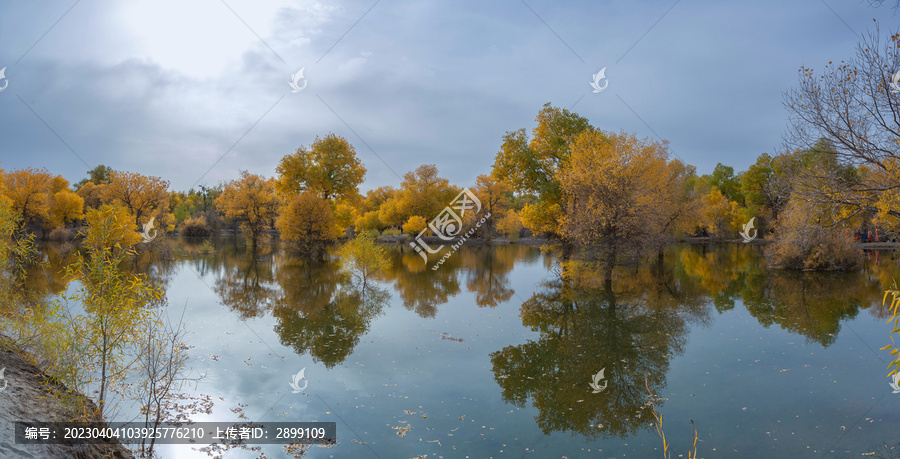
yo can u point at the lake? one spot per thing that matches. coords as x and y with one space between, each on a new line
493 353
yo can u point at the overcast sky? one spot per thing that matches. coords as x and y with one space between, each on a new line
194 91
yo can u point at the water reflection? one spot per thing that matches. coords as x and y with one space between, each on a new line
321 312
585 325
631 327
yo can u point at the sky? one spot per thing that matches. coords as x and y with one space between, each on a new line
194 91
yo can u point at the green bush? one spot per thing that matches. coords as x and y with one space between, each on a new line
391 232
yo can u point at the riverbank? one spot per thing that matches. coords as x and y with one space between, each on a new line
29 394
435 241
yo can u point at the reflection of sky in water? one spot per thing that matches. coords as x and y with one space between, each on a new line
752 391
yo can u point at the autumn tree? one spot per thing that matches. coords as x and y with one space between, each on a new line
806 241
114 301
853 106
510 225
252 201
308 222
363 258
98 176
144 196
414 225
65 207
93 195
29 193
421 193
494 197
367 211
616 188
532 166
328 168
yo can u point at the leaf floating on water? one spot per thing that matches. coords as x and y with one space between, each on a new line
402 430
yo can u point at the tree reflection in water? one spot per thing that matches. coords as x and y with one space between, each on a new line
630 327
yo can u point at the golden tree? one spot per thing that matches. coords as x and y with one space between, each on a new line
252 201
616 187
329 168
494 197
532 166
65 207
144 196
29 193
422 192
308 222
114 301
414 224
363 258
93 195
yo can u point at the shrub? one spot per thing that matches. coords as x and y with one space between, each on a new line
803 244
391 232
61 234
195 227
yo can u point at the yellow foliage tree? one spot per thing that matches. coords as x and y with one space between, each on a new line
368 221
414 225
93 195
363 258
110 226
616 185
144 196
308 222
65 207
494 197
510 225
329 168
251 200
720 215
114 301
532 166
422 192
542 217
29 193
344 215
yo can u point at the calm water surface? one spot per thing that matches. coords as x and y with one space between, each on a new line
492 354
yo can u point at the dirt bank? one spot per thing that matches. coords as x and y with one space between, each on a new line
30 395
